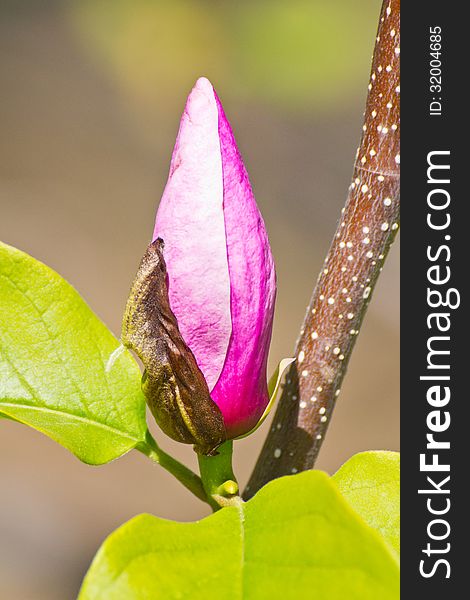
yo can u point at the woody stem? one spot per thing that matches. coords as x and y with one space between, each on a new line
367 227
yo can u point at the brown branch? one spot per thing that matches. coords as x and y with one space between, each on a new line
368 225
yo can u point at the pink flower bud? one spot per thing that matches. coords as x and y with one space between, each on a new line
221 277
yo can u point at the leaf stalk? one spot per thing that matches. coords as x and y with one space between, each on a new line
183 474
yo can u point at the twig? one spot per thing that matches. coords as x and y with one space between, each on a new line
368 225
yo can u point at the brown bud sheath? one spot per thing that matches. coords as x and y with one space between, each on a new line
173 385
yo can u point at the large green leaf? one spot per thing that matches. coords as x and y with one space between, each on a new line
297 538
53 354
370 481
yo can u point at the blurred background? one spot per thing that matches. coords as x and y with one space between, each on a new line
90 101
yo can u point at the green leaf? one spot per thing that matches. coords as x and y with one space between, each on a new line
53 354
297 538
370 482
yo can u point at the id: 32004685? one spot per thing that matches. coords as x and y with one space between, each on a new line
435 70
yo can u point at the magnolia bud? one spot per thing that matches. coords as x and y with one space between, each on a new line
222 283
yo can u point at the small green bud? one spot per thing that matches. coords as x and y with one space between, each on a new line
228 488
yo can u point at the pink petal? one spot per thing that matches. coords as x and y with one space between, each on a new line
241 391
190 220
